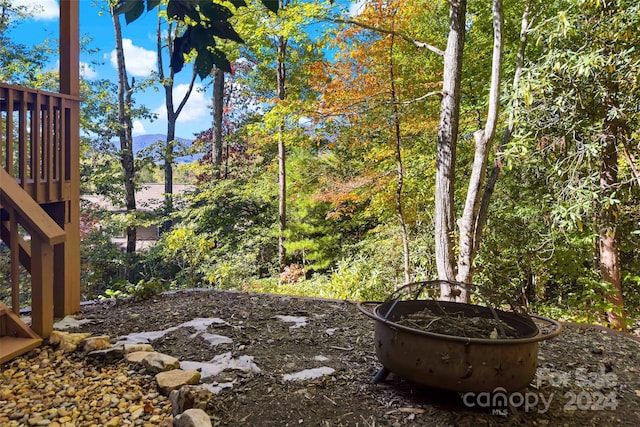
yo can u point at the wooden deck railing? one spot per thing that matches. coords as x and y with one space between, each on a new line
36 255
35 140
38 163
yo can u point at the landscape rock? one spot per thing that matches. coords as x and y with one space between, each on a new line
70 322
96 343
159 362
222 362
188 397
192 418
118 350
131 348
153 361
67 342
137 356
174 379
309 374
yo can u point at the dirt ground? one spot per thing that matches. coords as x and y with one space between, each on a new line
586 376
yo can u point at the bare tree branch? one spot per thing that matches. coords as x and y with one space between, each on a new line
483 213
631 160
420 98
416 43
189 90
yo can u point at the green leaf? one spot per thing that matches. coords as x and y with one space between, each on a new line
181 45
208 59
201 38
219 16
215 12
125 6
224 30
220 60
183 8
135 12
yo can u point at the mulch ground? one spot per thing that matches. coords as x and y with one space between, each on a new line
586 376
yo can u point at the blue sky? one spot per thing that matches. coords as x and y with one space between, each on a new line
140 57
139 40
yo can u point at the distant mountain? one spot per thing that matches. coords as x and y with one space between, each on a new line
142 142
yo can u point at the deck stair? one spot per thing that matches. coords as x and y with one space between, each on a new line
16 338
36 255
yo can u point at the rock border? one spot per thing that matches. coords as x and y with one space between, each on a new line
182 387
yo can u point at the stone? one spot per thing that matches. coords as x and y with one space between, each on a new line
136 356
189 396
70 322
114 422
137 414
67 342
192 418
309 374
159 362
130 348
34 420
96 343
176 378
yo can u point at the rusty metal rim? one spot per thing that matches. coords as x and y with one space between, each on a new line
393 325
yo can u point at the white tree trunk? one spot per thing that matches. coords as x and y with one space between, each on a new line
483 140
447 140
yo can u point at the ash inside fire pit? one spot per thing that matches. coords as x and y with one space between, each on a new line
458 324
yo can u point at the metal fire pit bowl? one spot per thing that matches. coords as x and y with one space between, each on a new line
453 362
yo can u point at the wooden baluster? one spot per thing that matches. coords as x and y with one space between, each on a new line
22 140
35 146
3 96
9 141
62 140
50 148
15 260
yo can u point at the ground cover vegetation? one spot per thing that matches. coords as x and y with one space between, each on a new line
344 158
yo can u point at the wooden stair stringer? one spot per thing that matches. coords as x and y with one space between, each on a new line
16 338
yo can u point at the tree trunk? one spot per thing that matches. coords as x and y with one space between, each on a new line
608 233
400 171
483 140
126 142
172 117
446 149
168 161
487 193
218 108
282 171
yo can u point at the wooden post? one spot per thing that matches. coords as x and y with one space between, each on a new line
67 292
41 296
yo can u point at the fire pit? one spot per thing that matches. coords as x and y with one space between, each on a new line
460 361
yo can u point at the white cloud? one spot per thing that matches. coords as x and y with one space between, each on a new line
87 71
140 62
195 110
138 128
357 7
40 9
